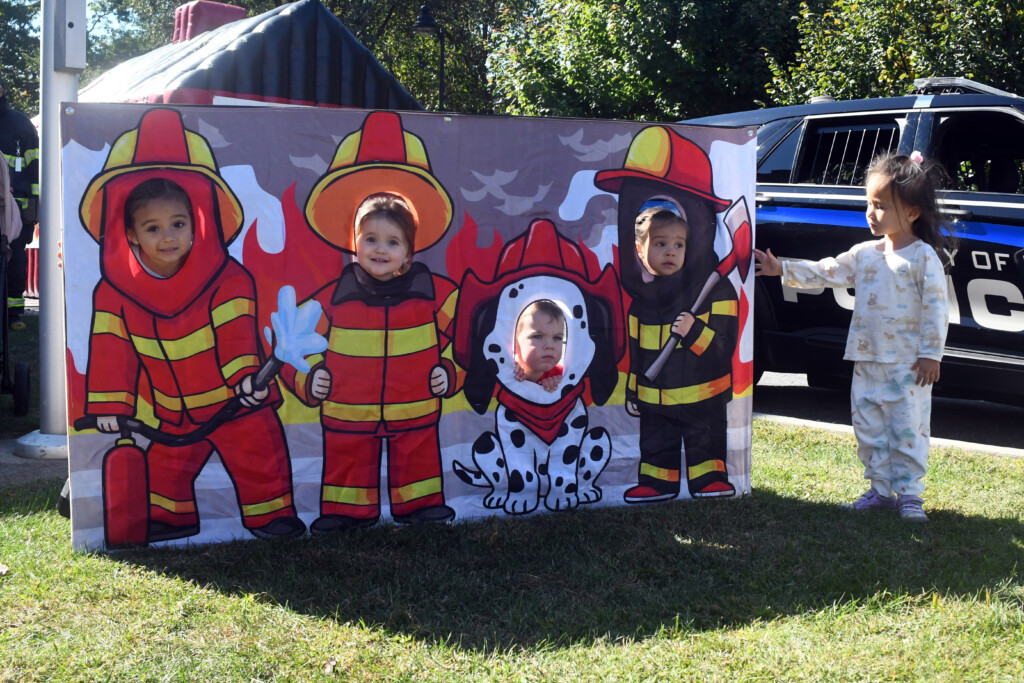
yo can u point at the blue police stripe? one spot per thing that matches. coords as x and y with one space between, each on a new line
993 233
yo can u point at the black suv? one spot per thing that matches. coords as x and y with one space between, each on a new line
811 161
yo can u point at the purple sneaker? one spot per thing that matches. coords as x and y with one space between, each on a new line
912 509
871 500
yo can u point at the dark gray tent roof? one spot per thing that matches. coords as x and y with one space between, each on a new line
298 53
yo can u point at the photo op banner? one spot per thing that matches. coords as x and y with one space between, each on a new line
262 378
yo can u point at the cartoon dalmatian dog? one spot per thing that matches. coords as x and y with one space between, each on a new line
543 446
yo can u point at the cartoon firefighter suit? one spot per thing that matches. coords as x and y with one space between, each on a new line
192 334
385 339
685 404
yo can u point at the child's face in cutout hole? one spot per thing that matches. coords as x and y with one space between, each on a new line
539 340
162 229
664 250
381 248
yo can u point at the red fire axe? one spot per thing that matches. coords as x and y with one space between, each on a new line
737 223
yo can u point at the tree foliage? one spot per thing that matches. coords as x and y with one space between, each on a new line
874 48
19 54
639 59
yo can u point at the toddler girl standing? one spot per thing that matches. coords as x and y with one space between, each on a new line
898 328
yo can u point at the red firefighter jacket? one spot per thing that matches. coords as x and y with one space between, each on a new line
384 338
192 359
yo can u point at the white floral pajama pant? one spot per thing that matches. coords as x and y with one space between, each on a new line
892 422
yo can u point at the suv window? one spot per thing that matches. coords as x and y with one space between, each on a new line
982 151
838 152
777 167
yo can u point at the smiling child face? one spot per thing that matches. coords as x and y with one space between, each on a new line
381 248
162 229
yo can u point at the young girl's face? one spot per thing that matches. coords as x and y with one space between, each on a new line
887 215
162 229
381 248
539 339
664 250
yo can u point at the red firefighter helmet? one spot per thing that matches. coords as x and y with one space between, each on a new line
380 157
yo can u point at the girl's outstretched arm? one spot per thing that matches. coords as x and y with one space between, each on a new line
766 263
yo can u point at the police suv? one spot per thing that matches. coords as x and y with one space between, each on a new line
811 162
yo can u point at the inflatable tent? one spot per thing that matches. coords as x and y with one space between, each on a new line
299 54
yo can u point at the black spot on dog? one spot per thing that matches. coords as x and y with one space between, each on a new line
558 482
500 462
510 416
518 437
515 482
577 311
542 469
566 390
582 462
497 477
461 474
483 444
596 454
563 430
513 294
580 422
572 377
586 476
571 488
583 324
596 433
494 348
529 476
570 455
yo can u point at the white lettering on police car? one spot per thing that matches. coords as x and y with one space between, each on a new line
954 305
981 260
978 292
951 255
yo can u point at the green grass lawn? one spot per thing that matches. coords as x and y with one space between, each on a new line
782 585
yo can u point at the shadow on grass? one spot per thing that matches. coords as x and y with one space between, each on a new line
617 573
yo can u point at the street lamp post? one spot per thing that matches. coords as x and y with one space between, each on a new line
426 25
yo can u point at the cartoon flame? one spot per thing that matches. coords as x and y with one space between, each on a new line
464 253
306 262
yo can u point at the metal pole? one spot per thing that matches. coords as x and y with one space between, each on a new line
56 87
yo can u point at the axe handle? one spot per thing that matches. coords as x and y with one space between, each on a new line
655 368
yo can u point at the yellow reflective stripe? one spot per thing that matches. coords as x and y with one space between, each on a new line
148 347
684 395
417 489
659 473
108 323
165 401
409 340
357 343
652 337
725 308
634 327
352 412
111 397
447 312
705 467
190 345
267 507
230 310
208 398
704 317
178 507
703 341
240 363
350 495
31 155
409 411
631 381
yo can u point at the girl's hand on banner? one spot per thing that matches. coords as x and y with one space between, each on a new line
320 387
248 397
766 263
438 381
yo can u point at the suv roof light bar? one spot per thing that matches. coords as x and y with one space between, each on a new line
949 85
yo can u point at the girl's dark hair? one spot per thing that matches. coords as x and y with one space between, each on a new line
154 188
393 208
916 183
656 217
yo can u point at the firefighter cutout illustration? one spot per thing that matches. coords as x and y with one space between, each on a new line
174 325
683 320
387 319
543 446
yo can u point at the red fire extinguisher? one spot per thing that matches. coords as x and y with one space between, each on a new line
125 495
